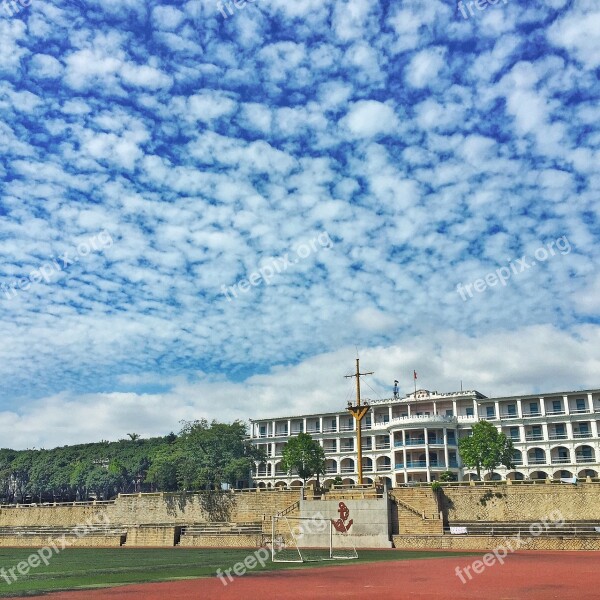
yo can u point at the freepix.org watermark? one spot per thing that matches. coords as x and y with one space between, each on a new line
480 4
14 7
503 274
316 524
239 4
554 519
56 265
277 265
54 547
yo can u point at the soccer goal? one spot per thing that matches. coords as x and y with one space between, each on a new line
304 539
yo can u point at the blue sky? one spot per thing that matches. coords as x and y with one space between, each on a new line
356 161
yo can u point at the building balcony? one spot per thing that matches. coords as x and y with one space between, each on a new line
261 474
557 436
509 416
329 429
280 473
398 444
585 459
418 442
348 470
535 413
384 468
537 461
551 413
515 439
296 431
582 434
347 449
346 427
517 462
561 460
330 449
580 411
382 446
313 430
423 419
331 470
534 437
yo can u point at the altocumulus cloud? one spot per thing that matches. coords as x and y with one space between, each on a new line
431 148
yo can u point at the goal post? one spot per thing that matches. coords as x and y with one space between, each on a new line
305 539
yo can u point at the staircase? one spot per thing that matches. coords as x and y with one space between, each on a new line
417 512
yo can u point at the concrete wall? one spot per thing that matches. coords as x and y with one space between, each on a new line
149 509
507 503
485 542
370 523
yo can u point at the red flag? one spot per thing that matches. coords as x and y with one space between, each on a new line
414 374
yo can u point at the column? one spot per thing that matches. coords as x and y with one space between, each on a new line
304 425
289 427
447 461
475 409
273 430
321 424
497 409
435 408
543 407
390 412
566 403
545 432
519 409
427 453
337 422
591 403
408 406
594 428
454 409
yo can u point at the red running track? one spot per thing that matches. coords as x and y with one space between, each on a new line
524 576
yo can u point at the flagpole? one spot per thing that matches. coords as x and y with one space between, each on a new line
415 380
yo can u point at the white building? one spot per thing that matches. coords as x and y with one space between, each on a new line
416 438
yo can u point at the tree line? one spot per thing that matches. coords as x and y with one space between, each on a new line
202 456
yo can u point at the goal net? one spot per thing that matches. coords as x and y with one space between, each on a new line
304 539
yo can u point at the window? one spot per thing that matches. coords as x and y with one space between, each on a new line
563 453
536 430
469 411
583 428
534 408
512 410
386 418
263 431
560 428
449 412
556 405
580 402
489 412
514 433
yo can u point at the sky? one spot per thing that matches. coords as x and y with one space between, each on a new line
207 211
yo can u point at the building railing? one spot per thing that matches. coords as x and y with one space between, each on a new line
557 436
509 416
382 446
537 461
347 469
579 411
532 413
551 413
534 437
561 461
585 459
582 434
384 468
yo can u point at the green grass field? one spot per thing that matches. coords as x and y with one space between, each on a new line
79 568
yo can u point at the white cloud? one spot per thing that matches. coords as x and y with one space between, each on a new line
368 118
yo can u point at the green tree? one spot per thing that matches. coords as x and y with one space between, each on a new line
487 448
210 455
304 456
